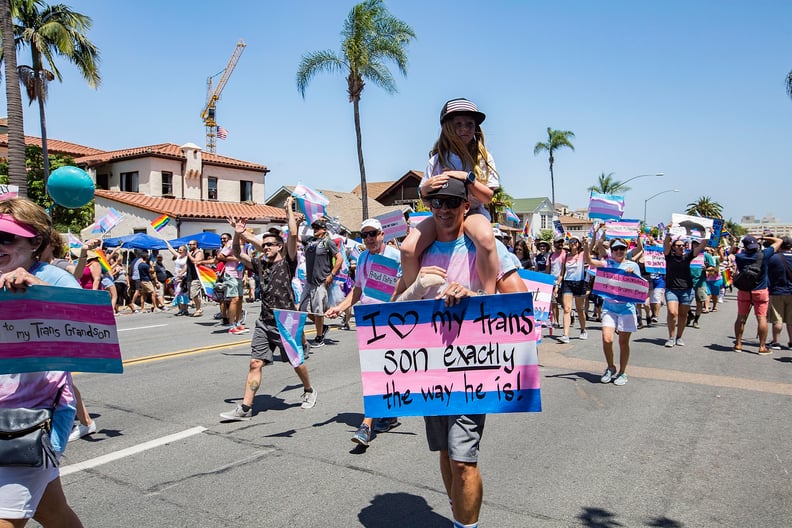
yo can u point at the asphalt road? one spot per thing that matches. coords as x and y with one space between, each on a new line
699 437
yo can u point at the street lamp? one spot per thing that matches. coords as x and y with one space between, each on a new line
655 196
622 184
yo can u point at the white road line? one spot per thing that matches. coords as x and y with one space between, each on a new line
139 328
110 457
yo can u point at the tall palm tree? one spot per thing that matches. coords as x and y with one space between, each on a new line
607 185
704 206
16 130
371 37
50 32
556 139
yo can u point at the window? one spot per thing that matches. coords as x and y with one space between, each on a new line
211 188
139 230
545 223
167 183
103 181
245 191
129 181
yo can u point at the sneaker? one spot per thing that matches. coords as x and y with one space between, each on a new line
317 342
362 436
670 343
308 399
217 316
237 414
345 326
383 425
679 342
242 330
620 380
583 335
81 430
608 376
654 320
774 346
563 339
696 324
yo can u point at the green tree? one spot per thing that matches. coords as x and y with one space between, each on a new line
556 139
735 229
16 129
62 218
52 32
607 185
500 201
704 206
371 37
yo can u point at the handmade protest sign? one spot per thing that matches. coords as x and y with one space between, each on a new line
393 225
541 286
8 192
627 229
654 259
717 231
690 226
422 358
620 285
382 273
50 328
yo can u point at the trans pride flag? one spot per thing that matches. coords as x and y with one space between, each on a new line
312 204
511 216
605 206
208 278
160 222
290 326
107 222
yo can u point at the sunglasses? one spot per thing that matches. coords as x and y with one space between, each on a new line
369 234
268 244
7 239
679 245
451 203
620 248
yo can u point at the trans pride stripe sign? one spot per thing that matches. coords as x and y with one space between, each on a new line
541 286
605 206
51 328
654 259
620 285
393 225
381 277
422 358
626 229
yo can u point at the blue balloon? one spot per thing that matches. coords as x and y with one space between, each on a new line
70 187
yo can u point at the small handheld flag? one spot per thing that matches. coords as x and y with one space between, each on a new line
103 260
208 278
160 222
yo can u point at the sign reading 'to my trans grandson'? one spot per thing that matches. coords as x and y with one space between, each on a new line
422 358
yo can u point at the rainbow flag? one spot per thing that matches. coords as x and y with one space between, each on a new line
160 222
103 260
527 229
208 278
727 277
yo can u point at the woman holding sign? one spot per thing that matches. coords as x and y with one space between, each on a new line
616 315
33 492
679 286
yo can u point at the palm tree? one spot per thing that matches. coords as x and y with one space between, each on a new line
371 37
704 206
556 139
607 185
500 201
16 130
52 31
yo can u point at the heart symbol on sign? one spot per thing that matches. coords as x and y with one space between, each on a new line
402 321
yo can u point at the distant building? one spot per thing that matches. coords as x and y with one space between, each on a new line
401 192
769 224
537 211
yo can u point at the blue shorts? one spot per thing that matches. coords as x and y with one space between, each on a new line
680 296
714 287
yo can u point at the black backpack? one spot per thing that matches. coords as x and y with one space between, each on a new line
748 278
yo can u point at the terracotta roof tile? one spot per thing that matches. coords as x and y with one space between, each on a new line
165 150
55 145
178 208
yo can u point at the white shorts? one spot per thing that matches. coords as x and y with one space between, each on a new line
621 322
21 489
656 296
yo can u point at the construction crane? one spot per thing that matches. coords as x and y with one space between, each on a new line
213 95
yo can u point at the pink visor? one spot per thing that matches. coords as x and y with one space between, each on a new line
9 224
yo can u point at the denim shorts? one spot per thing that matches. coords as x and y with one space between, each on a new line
680 296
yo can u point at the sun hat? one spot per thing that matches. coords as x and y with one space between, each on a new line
461 106
750 243
453 187
9 224
617 243
371 222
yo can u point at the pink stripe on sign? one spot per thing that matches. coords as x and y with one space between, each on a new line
375 382
442 333
61 349
82 313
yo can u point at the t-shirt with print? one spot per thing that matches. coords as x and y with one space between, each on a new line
458 258
319 255
276 289
363 267
621 307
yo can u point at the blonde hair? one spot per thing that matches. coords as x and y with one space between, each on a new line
473 155
32 214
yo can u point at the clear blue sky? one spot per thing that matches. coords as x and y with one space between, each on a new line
691 89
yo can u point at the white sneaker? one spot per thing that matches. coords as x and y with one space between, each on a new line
308 399
670 343
608 376
81 430
583 335
620 380
679 342
563 339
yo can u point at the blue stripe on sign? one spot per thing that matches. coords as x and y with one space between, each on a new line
38 364
526 400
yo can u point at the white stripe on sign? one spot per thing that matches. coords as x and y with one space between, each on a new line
139 328
145 446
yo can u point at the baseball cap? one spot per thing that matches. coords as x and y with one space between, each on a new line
319 224
371 222
453 187
461 106
750 243
9 224
498 233
558 239
617 244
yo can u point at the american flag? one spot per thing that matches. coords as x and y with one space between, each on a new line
222 133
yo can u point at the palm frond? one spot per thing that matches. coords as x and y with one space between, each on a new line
317 62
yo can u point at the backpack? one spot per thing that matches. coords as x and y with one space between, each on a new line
748 278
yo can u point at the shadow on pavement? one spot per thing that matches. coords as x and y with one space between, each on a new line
591 377
720 348
347 418
601 518
400 509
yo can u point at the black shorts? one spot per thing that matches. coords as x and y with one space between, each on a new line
576 288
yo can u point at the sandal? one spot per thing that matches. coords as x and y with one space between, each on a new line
198 313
